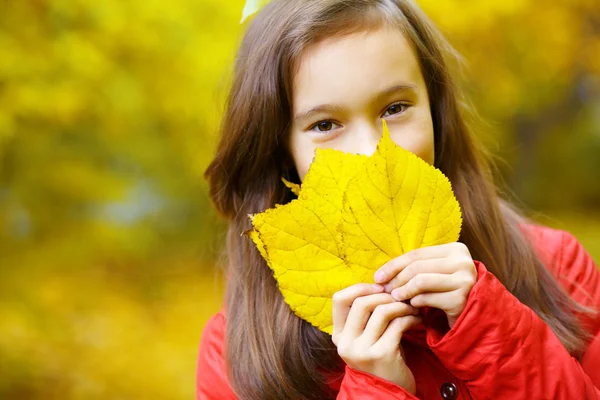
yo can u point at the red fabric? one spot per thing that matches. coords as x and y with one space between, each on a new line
498 348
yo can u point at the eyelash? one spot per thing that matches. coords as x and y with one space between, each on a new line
405 105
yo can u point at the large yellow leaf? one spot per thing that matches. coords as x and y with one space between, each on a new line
353 214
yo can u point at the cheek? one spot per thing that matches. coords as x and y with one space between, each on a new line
417 139
426 149
303 152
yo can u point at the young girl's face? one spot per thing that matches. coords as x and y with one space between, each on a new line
345 85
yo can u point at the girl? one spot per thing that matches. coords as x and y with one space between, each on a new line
519 322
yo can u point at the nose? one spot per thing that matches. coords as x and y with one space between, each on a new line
366 138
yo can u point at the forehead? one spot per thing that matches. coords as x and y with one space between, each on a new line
359 63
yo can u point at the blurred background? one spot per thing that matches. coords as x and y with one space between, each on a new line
108 113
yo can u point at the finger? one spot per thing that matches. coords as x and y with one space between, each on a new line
342 301
435 265
394 331
395 265
430 282
449 302
382 316
361 311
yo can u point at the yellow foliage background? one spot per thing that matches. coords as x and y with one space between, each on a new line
107 238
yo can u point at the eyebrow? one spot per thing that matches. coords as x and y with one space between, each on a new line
337 108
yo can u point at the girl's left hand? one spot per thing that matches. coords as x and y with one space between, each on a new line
436 276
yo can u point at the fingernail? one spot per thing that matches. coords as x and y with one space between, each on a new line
378 287
397 294
379 276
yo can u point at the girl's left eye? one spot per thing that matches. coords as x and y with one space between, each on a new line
397 108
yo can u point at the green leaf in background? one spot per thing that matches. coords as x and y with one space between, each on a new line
252 7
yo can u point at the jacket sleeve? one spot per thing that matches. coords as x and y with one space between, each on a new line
212 382
211 373
502 349
364 386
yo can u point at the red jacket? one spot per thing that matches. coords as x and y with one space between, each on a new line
497 349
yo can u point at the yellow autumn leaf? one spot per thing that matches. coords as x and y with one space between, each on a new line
353 214
294 187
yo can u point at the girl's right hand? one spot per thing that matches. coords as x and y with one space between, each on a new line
367 328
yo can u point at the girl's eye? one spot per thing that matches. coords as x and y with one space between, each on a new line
323 126
397 108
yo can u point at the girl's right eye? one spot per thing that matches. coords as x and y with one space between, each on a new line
323 126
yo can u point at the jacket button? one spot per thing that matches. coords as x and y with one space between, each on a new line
449 391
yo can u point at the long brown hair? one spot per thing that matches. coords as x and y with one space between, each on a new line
270 352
